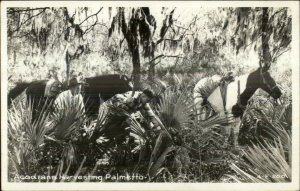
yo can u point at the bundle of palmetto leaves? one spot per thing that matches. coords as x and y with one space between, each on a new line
208 88
265 117
268 157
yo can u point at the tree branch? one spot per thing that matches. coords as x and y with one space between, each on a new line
147 23
124 26
175 65
18 28
12 10
91 16
86 31
21 36
92 26
172 39
181 27
162 55
156 63
278 55
273 15
182 35
252 41
161 39
192 23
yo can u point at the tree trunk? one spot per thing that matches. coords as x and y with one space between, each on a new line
15 58
67 66
151 74
130 34
266 56
136 72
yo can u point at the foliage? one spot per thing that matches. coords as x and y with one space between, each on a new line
180 50
25 136
246 27
267 131
81 146
269 163
68 116
44 32
271 121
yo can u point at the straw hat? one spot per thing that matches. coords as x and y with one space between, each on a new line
76 81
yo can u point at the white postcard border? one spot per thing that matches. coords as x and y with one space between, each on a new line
294 185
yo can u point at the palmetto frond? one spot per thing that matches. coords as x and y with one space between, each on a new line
21 124
141 139
25 135
271 121
270 160
67 118
137 131
206 133
95 127
175 109
176 112
286 115
62 175
209 137
214 121
158 156
268 164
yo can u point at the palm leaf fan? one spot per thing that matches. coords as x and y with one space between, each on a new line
68 118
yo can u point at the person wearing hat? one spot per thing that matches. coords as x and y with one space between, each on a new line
116 129
74 86
134 103
205 88
72 95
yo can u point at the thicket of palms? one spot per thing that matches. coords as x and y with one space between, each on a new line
63 141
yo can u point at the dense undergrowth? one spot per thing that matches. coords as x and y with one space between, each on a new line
66 143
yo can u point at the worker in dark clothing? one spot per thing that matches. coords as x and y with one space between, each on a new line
131 103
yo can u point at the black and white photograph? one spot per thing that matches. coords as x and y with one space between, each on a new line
149 93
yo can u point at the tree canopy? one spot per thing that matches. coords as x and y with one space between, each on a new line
145 41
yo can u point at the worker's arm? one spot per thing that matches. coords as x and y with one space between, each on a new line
151 115
158 125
